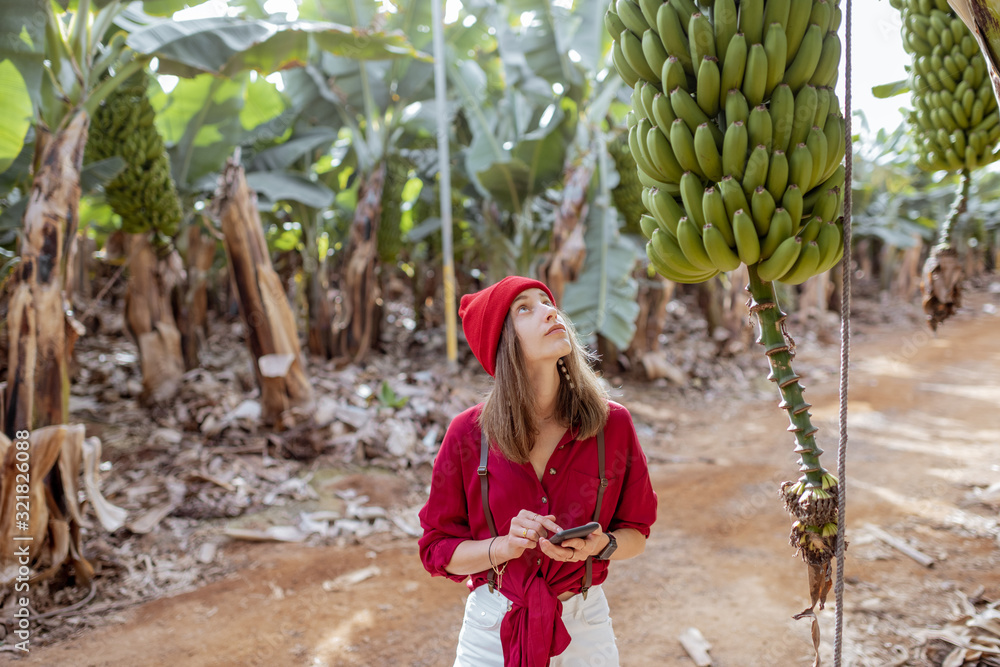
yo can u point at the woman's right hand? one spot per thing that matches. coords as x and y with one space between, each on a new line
525 530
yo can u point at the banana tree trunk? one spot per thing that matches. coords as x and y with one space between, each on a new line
41 332
192 306
355 326
149 318
270 324
320 314
567 249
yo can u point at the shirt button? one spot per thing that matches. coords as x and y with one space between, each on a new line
544 500
552 471
539 561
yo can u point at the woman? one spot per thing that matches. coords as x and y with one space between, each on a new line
546 420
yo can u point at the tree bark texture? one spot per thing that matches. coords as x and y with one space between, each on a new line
150 318
40 329
354 326
59 456
270 325
192 306
320 312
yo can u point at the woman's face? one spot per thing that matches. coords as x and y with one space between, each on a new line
539 326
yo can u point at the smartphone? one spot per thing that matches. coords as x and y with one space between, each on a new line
579 531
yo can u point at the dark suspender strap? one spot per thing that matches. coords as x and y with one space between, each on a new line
597 509
484 486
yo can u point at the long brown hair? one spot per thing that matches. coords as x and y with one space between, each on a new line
508 415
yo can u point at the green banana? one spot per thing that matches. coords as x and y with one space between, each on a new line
800 164
828 65
781 260
666 210
682 142
751 20
707 94
733 67
701 39
796 26
663 113
636 99
802 67
816 142
829 241
805 266
734 150
759 127
805 110
647 224
726 25
670 271
632 49
792 202
756 170
762 208
668 248
776 50
637 146
673 75
654 53
821 15
733 196
780 229
692 192
631 15
722 256
690 241
649 9
736 108
782 110
776 11
826 207
707 153
625 71
661 155
613 23
755 79
747 243
687 109
810 230
673 35
647 91
714 209
685 9
777 174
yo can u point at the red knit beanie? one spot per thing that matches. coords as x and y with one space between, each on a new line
483 314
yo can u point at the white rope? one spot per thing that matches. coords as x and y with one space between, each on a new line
845 346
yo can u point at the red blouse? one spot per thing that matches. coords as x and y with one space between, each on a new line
533 630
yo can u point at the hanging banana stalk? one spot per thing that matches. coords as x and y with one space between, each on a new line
955 118
739 142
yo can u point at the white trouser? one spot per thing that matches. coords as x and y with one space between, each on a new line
592 639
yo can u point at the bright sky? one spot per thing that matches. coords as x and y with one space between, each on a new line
878 57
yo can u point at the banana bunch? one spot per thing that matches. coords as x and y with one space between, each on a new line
736 132
389 236
627 194
955 113
143 193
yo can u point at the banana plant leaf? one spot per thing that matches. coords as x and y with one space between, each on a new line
225 45
274 186
22 22
17 113
603 299
283 155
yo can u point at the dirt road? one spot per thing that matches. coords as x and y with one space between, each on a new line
925 436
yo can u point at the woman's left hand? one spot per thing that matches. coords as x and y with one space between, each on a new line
575 549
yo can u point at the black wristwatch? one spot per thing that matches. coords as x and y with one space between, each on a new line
608 550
